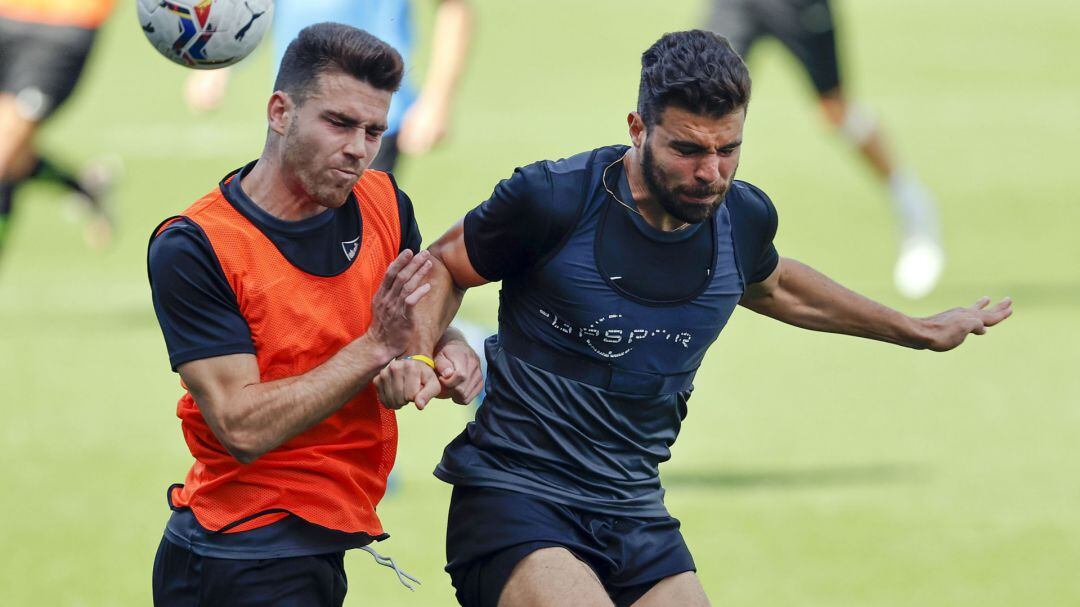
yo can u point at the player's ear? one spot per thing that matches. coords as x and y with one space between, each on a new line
279 111
637 128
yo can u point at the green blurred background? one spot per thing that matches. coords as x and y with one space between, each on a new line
813 469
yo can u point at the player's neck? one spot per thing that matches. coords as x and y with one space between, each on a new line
274 192
651 210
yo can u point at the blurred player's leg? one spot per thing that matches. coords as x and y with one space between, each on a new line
921 258
40 65
736 21
810 33
16 132
807 29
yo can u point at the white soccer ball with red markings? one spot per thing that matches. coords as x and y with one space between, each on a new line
205 34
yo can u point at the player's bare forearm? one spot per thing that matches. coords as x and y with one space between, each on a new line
450 276
799 295
457 367
449 49
250 417
426 122
436 311
405 381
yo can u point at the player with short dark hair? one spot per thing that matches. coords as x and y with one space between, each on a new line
281 294
807 29
620 267
44 46
419 116
339 47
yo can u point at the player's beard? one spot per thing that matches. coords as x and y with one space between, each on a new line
656 179
325 187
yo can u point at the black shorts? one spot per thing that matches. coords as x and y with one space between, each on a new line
40 64
185 579
805 27
490 530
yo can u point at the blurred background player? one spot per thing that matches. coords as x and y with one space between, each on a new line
807 29
418 118
44 45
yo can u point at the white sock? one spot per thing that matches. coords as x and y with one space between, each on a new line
914 207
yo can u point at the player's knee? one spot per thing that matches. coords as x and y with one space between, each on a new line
833 107
853 121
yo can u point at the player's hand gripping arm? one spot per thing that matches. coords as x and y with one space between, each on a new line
405 381
799 295
250 417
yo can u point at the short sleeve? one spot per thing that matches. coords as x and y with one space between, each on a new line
195 306
519 224
761 266
410 230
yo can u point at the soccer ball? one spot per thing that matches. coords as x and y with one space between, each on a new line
205 34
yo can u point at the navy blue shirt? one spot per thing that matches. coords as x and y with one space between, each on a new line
603 321
200 318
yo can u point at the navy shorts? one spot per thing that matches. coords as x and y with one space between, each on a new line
490 530
805 27
185 579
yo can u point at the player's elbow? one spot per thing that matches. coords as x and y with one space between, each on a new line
440 253
441 273
243 443
243 447
452 255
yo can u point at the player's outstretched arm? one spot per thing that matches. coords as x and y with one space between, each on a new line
251 417
799 295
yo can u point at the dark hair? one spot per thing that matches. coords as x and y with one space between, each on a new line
694 70
324 47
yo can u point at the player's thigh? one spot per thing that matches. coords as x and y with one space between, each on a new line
807 28
735 20
553 577
683 589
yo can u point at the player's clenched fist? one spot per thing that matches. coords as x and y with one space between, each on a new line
407 380
458 367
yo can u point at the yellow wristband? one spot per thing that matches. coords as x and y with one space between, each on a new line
427 360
